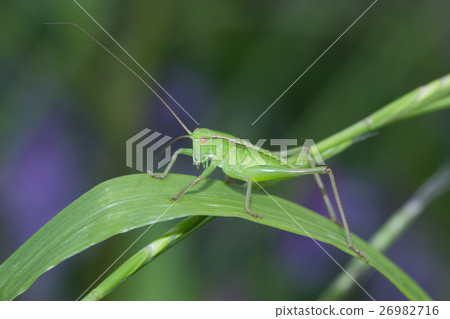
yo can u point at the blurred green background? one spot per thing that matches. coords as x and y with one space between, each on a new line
67 108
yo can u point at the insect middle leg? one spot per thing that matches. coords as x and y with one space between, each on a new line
264 173
212 166
247 199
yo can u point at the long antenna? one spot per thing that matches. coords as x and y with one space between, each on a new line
127 67
133 59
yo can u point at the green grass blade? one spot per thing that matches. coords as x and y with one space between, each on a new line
132 201
146 255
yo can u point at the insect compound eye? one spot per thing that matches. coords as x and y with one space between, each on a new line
203 140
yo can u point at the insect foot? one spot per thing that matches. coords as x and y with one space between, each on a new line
253 214
155 175
175 198
356 250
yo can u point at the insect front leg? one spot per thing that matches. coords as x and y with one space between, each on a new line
183 151
202 176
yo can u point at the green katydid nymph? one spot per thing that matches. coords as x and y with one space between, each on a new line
216 149
234 156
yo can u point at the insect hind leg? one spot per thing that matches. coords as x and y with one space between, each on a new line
266 172
321 186
350 243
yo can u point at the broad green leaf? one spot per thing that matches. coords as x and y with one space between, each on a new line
132 201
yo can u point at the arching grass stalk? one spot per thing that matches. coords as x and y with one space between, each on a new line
431 97
147 254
